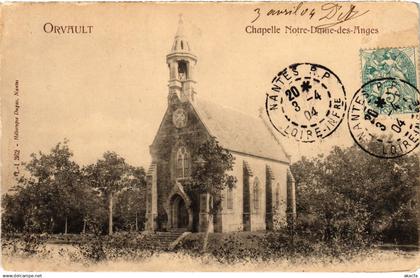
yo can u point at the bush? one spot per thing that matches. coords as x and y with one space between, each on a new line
272 245
24 245
127 245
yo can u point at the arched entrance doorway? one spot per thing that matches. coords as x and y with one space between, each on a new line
178 209
180 217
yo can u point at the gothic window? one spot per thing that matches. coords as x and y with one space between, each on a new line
182 163
229 198
256 193
277 195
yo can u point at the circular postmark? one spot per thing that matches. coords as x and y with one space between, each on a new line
383 117
306 102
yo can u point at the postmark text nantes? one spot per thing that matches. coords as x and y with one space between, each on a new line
306 102
51 28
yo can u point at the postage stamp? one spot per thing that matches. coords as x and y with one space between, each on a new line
389 62
307 102
377 124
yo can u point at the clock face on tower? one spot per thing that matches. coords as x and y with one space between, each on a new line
179 118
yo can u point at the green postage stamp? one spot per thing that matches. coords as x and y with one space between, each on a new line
390 63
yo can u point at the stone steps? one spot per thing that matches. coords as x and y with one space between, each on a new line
162 240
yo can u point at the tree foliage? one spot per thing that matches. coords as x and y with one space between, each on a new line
353 196
111 175
211 170
130 210
56 194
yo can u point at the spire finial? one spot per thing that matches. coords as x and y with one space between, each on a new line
180 31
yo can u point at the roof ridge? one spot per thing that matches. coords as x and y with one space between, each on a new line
256 117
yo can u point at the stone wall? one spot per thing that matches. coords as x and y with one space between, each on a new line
233 218
163 152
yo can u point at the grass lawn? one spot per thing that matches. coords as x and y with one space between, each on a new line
55 256
377 260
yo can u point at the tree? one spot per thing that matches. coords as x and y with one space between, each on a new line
110 176
91 205
45 196
210 175
352 196
59 175
13 212
130 210
56 195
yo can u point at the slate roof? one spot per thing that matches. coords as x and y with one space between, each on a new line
240 132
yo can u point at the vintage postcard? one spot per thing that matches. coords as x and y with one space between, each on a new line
263 136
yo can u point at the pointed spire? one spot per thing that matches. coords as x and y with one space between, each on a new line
180 31
180 42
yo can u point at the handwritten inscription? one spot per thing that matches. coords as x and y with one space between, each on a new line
328 14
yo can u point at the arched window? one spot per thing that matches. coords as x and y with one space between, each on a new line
229 198
182 163
256 193
277 195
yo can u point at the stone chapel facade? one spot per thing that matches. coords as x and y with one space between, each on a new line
264 195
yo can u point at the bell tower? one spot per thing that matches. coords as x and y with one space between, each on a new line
181 63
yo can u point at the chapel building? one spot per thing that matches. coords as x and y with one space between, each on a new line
264 195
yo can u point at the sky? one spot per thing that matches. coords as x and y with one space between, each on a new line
107 90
